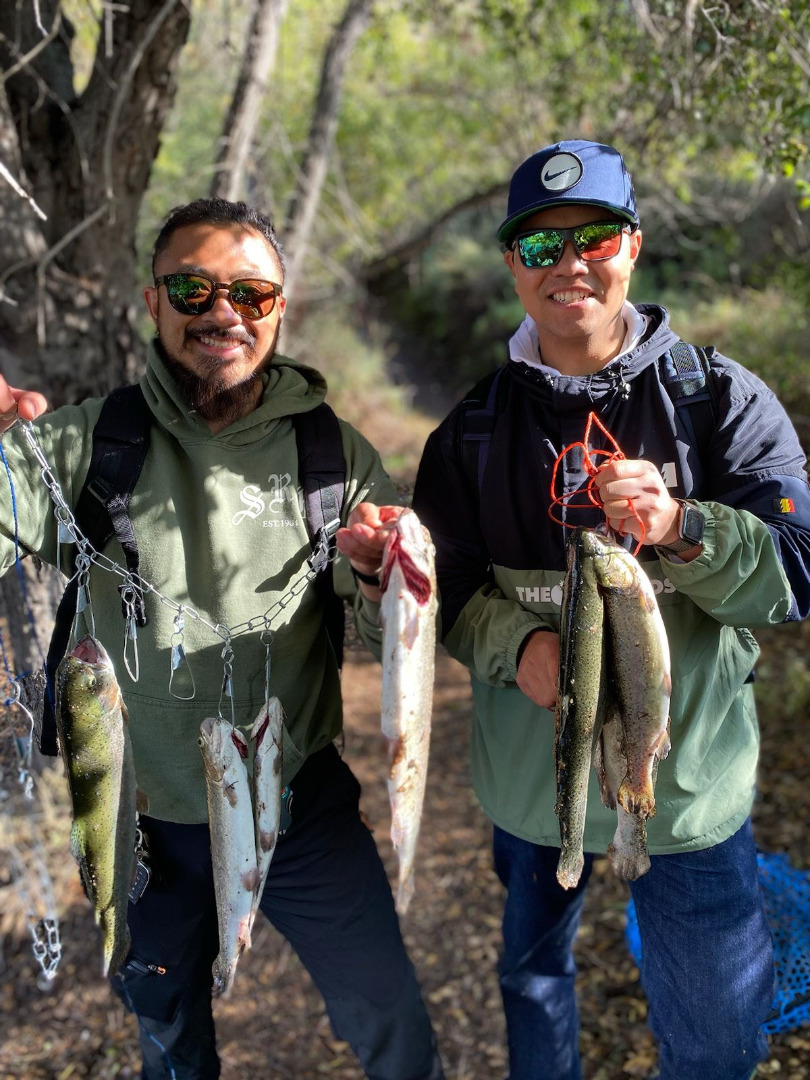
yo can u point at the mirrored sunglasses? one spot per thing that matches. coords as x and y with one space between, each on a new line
594 242
194 294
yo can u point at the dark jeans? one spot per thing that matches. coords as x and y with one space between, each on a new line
707 967
326 892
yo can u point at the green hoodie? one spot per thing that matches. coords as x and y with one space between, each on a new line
221 529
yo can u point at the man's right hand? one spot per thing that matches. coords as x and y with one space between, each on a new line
537 672
26 404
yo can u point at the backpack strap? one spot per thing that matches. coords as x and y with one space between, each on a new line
322 475
687 377
120 442
481 408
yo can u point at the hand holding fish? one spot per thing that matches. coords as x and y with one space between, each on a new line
656 516
537 671
363 539
27 404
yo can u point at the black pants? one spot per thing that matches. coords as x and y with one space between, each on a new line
326 892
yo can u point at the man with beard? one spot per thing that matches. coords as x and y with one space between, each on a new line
221 530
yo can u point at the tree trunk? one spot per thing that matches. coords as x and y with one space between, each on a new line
304 203
239 129
67 282
85 159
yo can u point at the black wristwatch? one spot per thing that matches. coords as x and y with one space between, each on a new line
690 530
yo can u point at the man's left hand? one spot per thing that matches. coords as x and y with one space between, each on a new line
363 539
622 482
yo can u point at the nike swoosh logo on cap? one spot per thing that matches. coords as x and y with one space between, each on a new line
562 172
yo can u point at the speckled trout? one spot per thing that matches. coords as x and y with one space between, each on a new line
233 847
408 617
627 851
580 699
265 786
91 720
638 655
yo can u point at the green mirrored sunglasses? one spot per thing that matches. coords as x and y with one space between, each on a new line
594 242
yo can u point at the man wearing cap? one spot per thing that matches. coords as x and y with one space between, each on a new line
719 502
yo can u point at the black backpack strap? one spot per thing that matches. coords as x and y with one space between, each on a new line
687 377
120 442
480 414
322 475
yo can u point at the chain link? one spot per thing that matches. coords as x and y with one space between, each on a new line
324 553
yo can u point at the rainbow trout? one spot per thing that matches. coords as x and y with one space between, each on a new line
638 655
580 699
91 721
265 783
408 617
627 851
233 848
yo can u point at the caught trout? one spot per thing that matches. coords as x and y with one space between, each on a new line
580 700
265 782
408 617
627 851
639 660
91 721
233 848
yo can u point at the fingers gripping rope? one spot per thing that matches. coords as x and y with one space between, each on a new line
591 468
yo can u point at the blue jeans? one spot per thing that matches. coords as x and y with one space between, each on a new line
707 967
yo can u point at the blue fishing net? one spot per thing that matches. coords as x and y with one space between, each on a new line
786 892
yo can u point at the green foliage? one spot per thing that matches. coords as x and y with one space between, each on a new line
766 331
461 305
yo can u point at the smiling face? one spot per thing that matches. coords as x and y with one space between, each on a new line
576 304
217 357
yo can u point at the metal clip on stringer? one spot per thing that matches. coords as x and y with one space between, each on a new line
128 598
227 681
267 641
180 675
84 604
325 549
23 744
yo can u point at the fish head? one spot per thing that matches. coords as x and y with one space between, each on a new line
615 567
409 548
87 678
219 742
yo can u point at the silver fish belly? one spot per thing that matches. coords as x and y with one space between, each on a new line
408 617
266 736
233 847
627 851
639 658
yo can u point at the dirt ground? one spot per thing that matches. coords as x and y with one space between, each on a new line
274 1024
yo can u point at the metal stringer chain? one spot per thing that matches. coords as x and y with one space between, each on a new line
69 532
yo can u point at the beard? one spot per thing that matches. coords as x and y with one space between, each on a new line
210 394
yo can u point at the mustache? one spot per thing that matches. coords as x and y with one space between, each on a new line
230 333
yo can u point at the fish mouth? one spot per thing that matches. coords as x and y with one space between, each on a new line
90 651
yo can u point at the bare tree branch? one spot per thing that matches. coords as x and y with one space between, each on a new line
304 203
409 249
32 53
239 129
21 191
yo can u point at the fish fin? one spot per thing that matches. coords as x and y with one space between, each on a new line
663 745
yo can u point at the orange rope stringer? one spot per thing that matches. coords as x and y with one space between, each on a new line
591 469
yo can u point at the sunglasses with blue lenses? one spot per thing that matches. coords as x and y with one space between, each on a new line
594 242
194 294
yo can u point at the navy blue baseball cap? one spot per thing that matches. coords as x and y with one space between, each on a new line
569 172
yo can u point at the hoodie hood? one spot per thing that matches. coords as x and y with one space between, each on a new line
289 388
568 392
